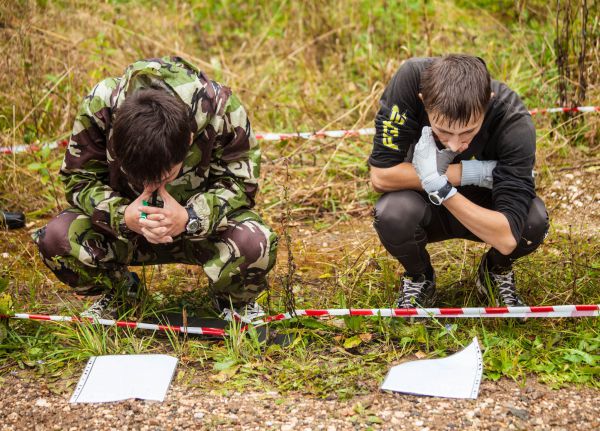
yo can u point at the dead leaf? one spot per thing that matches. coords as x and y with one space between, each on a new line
366 337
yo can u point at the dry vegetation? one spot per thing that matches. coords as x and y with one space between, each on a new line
303 66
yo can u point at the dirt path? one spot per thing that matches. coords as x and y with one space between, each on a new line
501 405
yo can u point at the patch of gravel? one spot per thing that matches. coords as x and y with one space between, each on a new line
501 405
572 198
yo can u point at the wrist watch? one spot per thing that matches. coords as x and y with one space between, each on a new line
193 225
442 194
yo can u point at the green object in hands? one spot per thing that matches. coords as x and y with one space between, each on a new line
143 214
146 203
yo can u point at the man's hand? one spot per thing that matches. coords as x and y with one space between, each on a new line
162 224
425 163
478 173
443 159
132 213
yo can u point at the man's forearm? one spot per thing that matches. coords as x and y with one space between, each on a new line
488 225
404 177
214 206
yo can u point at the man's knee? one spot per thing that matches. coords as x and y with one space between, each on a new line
397 215
537 223
56 250
53 239
255 242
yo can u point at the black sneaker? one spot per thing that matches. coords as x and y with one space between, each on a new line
245 313
498 289
417 292
106 307
133 289
125 296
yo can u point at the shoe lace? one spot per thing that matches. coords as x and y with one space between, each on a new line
506 288
246 313
251 311
98 307
413 291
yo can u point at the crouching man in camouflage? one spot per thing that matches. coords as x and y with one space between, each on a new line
162 167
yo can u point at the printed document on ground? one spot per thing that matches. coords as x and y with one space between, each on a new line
121 377
456 376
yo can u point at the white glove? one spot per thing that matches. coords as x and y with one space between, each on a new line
425 163
425 158
478 173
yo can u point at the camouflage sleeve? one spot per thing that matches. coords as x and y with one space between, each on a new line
234 169
84 171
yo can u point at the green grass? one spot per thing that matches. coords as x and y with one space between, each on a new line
297 66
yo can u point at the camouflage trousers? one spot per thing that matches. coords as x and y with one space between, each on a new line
235 260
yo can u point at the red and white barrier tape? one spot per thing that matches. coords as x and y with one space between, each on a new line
62 143
505 312
303 135
121 324
310 135
544 311
565 109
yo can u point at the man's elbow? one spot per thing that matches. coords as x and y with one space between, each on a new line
377 188
377 183
507 245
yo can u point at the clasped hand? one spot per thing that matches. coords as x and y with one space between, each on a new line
430 163
160 224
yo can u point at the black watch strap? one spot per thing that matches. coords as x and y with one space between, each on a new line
193 224
440 195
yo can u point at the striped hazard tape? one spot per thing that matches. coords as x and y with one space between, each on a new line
544 311
62 143
507 312
120 324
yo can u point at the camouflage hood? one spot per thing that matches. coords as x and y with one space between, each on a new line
219 173
174 75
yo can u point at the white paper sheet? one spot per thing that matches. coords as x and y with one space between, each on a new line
456 376
120 377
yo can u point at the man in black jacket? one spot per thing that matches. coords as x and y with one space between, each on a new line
453 154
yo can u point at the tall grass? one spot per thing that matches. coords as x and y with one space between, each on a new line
298 65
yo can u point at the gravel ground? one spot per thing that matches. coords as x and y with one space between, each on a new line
501 405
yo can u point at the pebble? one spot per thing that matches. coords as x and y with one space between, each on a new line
498 407
41 402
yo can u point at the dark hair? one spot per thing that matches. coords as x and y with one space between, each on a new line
456 87
151 134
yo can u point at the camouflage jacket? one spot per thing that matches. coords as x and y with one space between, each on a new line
219 172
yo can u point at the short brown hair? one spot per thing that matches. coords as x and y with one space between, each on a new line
456 87
151 134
